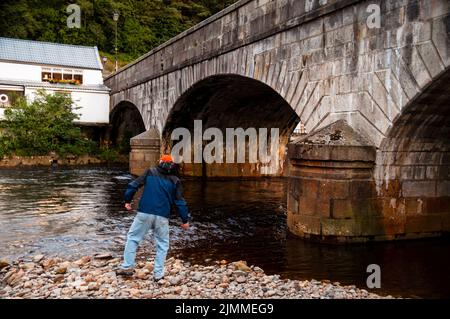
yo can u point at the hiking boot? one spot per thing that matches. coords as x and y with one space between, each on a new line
125 272
159 281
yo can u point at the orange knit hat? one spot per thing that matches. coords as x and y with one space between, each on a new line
166 158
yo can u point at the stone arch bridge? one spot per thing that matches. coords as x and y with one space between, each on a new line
374 100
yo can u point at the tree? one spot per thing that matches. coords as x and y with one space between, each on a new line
143 24
42 126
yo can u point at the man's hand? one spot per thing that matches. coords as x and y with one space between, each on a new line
128 206
185 226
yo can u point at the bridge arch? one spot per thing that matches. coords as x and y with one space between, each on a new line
125 122
413 162
232 101
355 88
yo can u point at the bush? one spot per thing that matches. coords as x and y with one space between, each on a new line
108 155
42 126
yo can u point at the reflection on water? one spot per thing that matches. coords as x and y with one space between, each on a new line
75 212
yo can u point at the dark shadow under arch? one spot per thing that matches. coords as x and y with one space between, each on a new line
231 101
125 122
413 166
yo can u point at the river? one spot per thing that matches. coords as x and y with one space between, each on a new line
75 212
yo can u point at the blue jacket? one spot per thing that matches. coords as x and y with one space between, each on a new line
162 190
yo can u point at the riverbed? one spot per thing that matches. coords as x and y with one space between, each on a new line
75 212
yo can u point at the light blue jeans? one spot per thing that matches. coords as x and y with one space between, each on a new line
141 225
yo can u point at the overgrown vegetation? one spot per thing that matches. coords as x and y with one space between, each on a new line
142 24
46 125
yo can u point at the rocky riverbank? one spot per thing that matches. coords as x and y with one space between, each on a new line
94 277
14 161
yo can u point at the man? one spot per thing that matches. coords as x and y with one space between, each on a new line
162 190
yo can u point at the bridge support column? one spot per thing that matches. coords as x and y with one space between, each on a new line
331 194
145 151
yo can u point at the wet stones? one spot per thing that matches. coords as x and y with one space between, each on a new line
86 278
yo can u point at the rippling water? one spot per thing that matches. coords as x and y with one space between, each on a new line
73 212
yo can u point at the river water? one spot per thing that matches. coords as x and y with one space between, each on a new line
74 212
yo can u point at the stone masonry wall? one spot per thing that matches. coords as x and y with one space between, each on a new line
320 56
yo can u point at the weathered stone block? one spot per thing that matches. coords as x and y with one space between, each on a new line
419 188
342 209
309 188
419 224
443 188
445 219
341 227
431 58
436 205
394 225
137 156
359 189
414 206
333 189
432 172
292 205
305 225
151 158
372 226
440 37
307 206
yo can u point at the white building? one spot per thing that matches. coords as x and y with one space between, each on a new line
26 66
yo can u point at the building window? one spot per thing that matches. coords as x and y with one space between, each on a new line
78 78
57 75
8 97
65 76
46 74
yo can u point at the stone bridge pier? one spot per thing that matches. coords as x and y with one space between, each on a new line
343 188
368 79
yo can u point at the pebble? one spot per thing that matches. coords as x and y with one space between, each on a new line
241 279
103 256
174 281
3 263
38 258
239 273
242 265
197 277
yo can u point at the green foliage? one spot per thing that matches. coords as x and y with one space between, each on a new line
42 126
142 25
108 155
123 145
